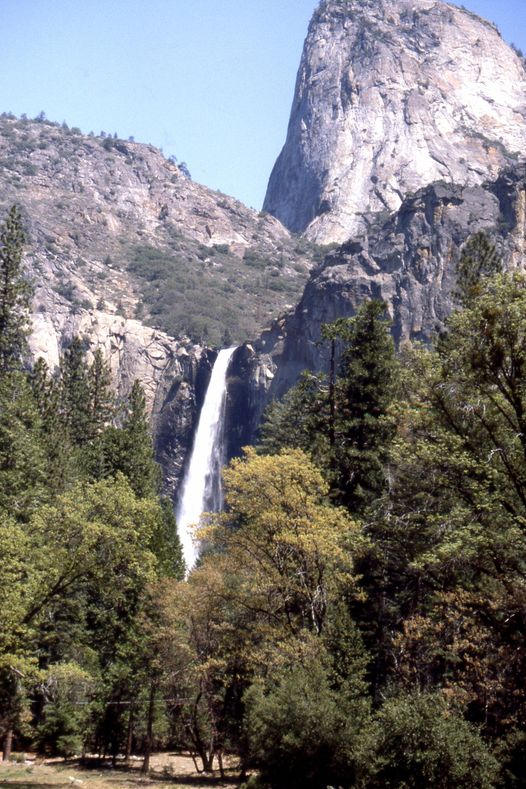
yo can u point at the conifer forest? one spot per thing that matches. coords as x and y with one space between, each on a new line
356 616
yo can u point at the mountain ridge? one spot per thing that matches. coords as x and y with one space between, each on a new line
109 221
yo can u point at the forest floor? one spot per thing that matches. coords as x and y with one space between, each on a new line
168 771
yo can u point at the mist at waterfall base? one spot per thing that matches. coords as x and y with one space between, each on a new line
201 490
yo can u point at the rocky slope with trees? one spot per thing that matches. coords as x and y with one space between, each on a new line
114 226
356 618
124 250
408 260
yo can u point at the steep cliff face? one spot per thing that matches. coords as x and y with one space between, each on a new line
392 95
173 374
127 252
407 260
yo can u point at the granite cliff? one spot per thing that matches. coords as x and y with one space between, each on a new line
407 259
126 251
405 139
392 95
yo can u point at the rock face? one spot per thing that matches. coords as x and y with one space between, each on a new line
120 238
174 374
407 260
113 225
392 95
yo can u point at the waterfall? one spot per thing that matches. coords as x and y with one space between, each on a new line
201 489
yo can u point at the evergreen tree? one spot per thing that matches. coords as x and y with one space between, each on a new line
364 391
127 449
344 422
62 460
299 420
22 459
15 294
139 463
167 547
305 734
75 396
42 386
101 396
479 259
423 743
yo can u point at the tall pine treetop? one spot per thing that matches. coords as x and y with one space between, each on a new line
15 294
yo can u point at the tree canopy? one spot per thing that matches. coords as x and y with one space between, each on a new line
357 614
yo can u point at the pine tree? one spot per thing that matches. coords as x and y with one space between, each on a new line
478 261
41 385
300 420
363 428
142 470
62 461
128 449
344 421
15 294
76 405
22 459
101 396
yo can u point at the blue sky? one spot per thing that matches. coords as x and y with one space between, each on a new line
209 81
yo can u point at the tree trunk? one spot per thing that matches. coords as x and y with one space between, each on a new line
332 401
129 737
8 745
149 731
221 765
207 758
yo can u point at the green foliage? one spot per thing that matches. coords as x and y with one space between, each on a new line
299 420
289 547
65 689
205 291
61 460
75 396
305 735
22 459
101 395
127 449
17 588
442 571
15 294
167 545
422 743
364 391
95 533
447 565
344 421
319 649
479 260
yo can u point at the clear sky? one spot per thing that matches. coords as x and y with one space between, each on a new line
209 81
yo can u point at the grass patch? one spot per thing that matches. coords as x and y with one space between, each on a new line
169 771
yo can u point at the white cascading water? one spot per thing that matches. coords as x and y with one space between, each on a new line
201 490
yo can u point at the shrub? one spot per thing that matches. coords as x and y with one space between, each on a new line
303 734
423 743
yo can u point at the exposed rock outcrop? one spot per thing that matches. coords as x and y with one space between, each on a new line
407 260
173 374
250 379
120 238
392 95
